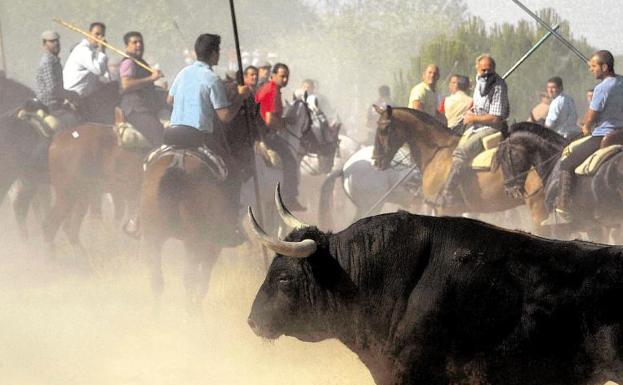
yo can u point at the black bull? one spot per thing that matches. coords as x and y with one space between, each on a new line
424 300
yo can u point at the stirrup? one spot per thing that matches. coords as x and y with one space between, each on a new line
558 217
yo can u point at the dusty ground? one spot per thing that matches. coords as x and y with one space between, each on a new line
61 324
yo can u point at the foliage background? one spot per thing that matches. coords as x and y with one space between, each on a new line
350 46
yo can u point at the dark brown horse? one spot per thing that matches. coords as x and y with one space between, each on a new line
596 198
431 146
85 162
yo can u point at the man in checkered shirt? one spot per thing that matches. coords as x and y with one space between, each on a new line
490 111
49 81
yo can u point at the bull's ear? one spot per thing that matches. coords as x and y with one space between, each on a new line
378 109
389 111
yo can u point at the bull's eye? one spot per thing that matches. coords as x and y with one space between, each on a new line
285 280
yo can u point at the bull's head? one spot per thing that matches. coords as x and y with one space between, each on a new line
304 287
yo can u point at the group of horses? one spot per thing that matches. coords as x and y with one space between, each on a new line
185 202
524 171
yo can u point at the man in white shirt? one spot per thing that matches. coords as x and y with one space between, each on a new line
86 72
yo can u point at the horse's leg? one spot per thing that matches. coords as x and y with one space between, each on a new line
200 258
24 195
72 225
62 207
151 247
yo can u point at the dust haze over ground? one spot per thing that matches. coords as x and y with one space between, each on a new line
60 324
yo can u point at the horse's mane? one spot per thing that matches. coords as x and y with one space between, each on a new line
427 119
538 130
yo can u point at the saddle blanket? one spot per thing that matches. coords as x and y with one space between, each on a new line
212 162
590 166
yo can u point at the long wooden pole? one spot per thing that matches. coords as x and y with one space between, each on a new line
2 51
256 182
530 52
558 36
104 43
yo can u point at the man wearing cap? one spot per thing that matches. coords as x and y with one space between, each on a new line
139 100
85 69
49 82
263 73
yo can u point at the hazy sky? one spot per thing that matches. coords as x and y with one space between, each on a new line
598 20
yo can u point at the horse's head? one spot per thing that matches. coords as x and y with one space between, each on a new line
388 139
528 146
307 122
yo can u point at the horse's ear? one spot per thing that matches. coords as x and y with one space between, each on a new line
378 109
389 111
119 116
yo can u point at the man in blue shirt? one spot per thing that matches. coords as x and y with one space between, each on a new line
562 116
605 115
200 105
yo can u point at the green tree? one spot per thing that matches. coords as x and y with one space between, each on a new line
455 53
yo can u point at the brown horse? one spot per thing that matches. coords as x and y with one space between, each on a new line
431 146
85 162
182 199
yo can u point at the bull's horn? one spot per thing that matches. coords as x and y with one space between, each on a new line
285 214
301 249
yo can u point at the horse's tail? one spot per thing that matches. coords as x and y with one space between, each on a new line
325 206
170 192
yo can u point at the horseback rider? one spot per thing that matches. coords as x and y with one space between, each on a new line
199 96
86 73
424 96
562 116
605 115
139 99
491 108
49 82
271 109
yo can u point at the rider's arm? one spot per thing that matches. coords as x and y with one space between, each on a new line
129 83
274 121
95 62
417 105
589 120
228 112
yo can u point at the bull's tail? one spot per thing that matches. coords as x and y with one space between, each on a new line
325 206
171 191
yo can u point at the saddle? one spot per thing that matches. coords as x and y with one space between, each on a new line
127 135
212 162
36 115
591 164
490 143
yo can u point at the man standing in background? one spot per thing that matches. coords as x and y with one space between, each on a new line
423 96
458 103
562 116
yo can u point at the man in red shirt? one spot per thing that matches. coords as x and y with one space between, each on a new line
271 110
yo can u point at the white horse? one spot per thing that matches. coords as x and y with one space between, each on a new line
365 184
299 124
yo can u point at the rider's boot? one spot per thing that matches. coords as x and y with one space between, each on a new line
451 195
562 213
